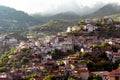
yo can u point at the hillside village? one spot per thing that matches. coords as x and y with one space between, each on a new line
83 52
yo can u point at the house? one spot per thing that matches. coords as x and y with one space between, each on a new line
37 43
116 56
48 57
12 57
40 66
76 28
17 74
90 27
109 20
12 40
88 21
62 68
82 73
115 74
117 26
103 74
82 65
109 54
3 75
88 50
69 29
23 45
66 45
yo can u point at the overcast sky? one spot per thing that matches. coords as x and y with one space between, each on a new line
45 6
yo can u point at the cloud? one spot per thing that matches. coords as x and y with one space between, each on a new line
53 6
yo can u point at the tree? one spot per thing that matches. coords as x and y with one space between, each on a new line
84 54
98 77
103 55
95 77
115 49
117 64
104 44
52 52
61 63
25 59
3 69
50 77
30 77
81 22
76 48
90 65
105 65
98 23
70 78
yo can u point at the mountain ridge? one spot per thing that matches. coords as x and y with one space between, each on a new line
107 10
12 20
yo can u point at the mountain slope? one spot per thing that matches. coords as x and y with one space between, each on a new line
11 20
115 17
55 23
54 26
107 10
66 15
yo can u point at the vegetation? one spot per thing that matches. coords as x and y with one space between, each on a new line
84 54
108 31
105 11
7 62
15 21
81 22
30 77
50 77
54 26
100 62
94 77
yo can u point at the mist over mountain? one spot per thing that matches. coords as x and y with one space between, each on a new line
73 12
74 8
12 20
106 10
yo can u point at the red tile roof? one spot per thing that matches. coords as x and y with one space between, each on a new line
39 64
101 72
115 72
116 54
50 63
82 70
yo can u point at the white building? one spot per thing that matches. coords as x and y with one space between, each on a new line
66 45
69 29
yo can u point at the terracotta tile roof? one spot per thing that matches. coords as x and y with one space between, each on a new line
101 72
82 70
116 54
17 74
50 63
39 64
115 72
